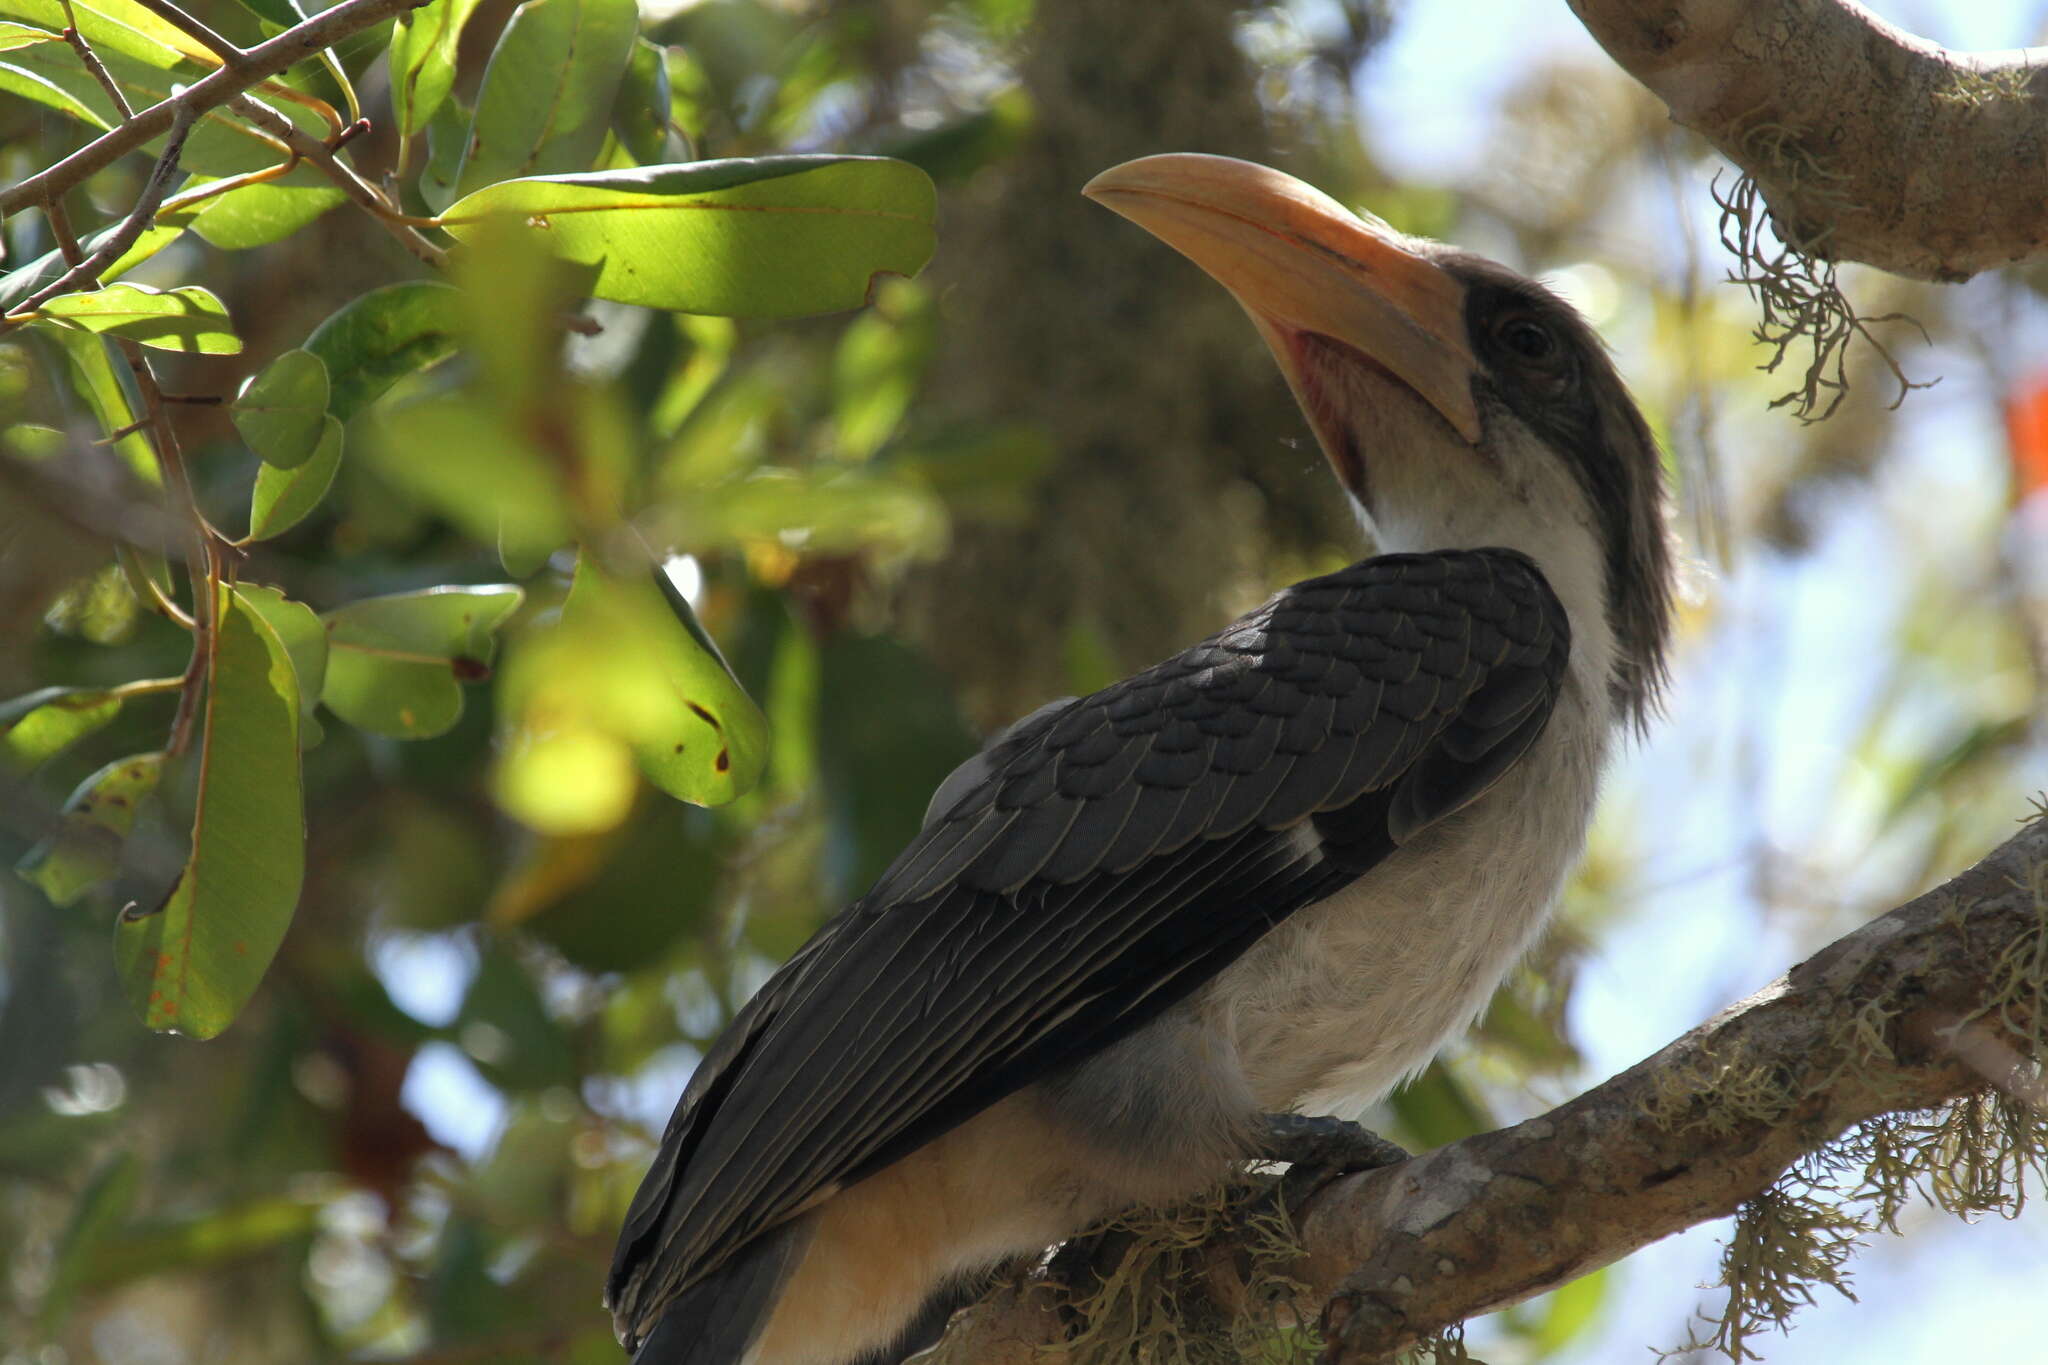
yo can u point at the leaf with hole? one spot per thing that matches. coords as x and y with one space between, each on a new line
282 409
36 728
775 236
396 665
189 318
85 848
191 963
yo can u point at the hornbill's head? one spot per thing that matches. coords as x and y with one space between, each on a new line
1460 404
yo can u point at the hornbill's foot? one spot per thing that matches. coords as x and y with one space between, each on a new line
1321 1150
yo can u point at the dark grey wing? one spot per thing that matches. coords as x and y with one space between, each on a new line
1113 853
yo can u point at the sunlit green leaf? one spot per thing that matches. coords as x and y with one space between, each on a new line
257 215
85 850
282 409
1437 1107
41 725
118 26
303 636
395 665
13 35
583 714
188 318
423 47
192 962
283 498
23 281
547 94
765 237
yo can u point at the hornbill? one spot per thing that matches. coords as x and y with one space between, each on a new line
1268 876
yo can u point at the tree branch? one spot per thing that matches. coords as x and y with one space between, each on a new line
1869 144
1904 1014
260 63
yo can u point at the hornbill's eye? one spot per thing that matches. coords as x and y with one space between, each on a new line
1529 339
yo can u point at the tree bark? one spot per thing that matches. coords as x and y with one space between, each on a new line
1907 1013
1869 144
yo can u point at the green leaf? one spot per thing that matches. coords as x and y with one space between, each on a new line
119 26
36 728
17 79
423 50
467 459
257 215
285 497
395 664
303 636
380 337
585 712
25 280
640 116
282 410
764 237
94 372
876 369
188 318
547 93
85 850
13 35
193 961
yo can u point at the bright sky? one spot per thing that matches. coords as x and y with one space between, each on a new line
1944 1292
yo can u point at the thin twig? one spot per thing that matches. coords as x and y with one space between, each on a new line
93 63
264 60
86 273
360 191
202 557
230 55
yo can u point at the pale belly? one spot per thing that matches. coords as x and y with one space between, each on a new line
1351 995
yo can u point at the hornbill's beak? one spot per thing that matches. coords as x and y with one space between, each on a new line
1304 265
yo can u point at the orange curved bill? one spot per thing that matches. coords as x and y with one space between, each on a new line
1301 262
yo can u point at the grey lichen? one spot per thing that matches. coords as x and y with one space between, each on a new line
1985 1153
1796 289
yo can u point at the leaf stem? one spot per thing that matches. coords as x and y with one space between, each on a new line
144 585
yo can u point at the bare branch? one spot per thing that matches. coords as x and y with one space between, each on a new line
1868 143
264 60
1870 1025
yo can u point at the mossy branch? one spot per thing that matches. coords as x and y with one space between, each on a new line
1903 1058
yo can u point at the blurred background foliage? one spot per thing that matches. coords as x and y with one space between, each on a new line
1054 457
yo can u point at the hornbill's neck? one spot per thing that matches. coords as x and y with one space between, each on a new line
1459 403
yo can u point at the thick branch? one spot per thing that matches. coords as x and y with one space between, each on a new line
259 64
1869 144
1683 1137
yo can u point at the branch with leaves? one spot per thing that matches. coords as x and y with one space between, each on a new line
1938 1008
553 200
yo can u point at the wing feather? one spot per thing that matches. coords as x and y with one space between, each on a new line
1097 862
